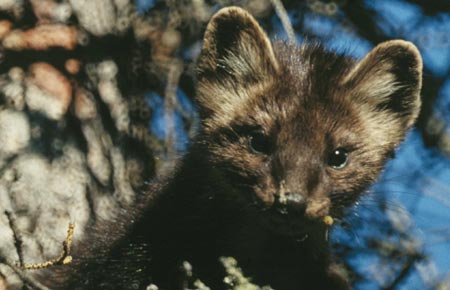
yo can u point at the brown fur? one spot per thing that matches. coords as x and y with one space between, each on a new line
266 208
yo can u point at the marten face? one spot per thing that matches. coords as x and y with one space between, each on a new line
299 130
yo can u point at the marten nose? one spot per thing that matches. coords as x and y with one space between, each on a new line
291 203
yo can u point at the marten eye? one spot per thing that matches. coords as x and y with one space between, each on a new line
338 158
259 143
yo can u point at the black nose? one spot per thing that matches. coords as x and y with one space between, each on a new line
291 203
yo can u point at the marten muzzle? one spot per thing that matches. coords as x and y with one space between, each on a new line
290 203
295 204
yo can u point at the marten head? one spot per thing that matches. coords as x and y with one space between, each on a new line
301 130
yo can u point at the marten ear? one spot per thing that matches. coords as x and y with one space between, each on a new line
235 45
387 83
236 53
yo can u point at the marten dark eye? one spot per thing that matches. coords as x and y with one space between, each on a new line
338 158
259 143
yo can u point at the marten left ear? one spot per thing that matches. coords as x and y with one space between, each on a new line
235 46
236 55
388 81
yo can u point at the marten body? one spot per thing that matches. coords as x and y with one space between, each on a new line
289 135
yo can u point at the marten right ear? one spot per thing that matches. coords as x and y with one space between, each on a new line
389 80
385 85
236 53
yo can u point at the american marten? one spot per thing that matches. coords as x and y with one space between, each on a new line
291 136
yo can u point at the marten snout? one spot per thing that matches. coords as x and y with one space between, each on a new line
290 203
293 203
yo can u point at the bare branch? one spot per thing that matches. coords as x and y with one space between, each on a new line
284 17
17 238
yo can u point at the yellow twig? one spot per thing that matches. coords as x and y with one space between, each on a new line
63 259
